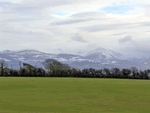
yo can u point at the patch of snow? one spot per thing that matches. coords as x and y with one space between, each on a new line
28 52
5 59
108 54
61 59
13 55
6 51
105 63
21 58
114 62
100 49
36 56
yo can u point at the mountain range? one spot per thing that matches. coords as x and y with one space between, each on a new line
97 58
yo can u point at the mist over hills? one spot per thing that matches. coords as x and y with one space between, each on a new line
97 58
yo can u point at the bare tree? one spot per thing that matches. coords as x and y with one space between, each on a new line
85 72
3 65
29 67
107 72
146 73
92 72
141 74
116 72
100 72
126 73
54 66
134 71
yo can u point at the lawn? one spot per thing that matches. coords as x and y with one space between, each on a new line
73 95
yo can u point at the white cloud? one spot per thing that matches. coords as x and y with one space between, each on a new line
51 23
127 38
78 38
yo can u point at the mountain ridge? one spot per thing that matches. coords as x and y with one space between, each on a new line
97 58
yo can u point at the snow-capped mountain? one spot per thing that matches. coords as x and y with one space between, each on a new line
6 51
102 57
97 58
102 53
145 63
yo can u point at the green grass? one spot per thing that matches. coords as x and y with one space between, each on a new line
74 95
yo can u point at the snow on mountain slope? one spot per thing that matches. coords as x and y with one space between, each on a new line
102 53
6 51
118 55
97 58
22 52
146 63
5 59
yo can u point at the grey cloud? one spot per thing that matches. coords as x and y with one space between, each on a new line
24 38
20 8
65 22
26 9
21 15
5 4
17 32
134 48
137 49
16 12
127 38
147 10
73 21
6 7
147 6
32 7
145 23
9 35
78 38
19 19
52 3
119 33
48 3
102 27
87 14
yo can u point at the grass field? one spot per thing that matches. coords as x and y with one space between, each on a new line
74 95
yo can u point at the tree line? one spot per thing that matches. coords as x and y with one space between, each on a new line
54 68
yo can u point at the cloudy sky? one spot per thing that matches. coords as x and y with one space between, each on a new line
73 25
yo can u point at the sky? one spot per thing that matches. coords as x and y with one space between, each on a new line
76 25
